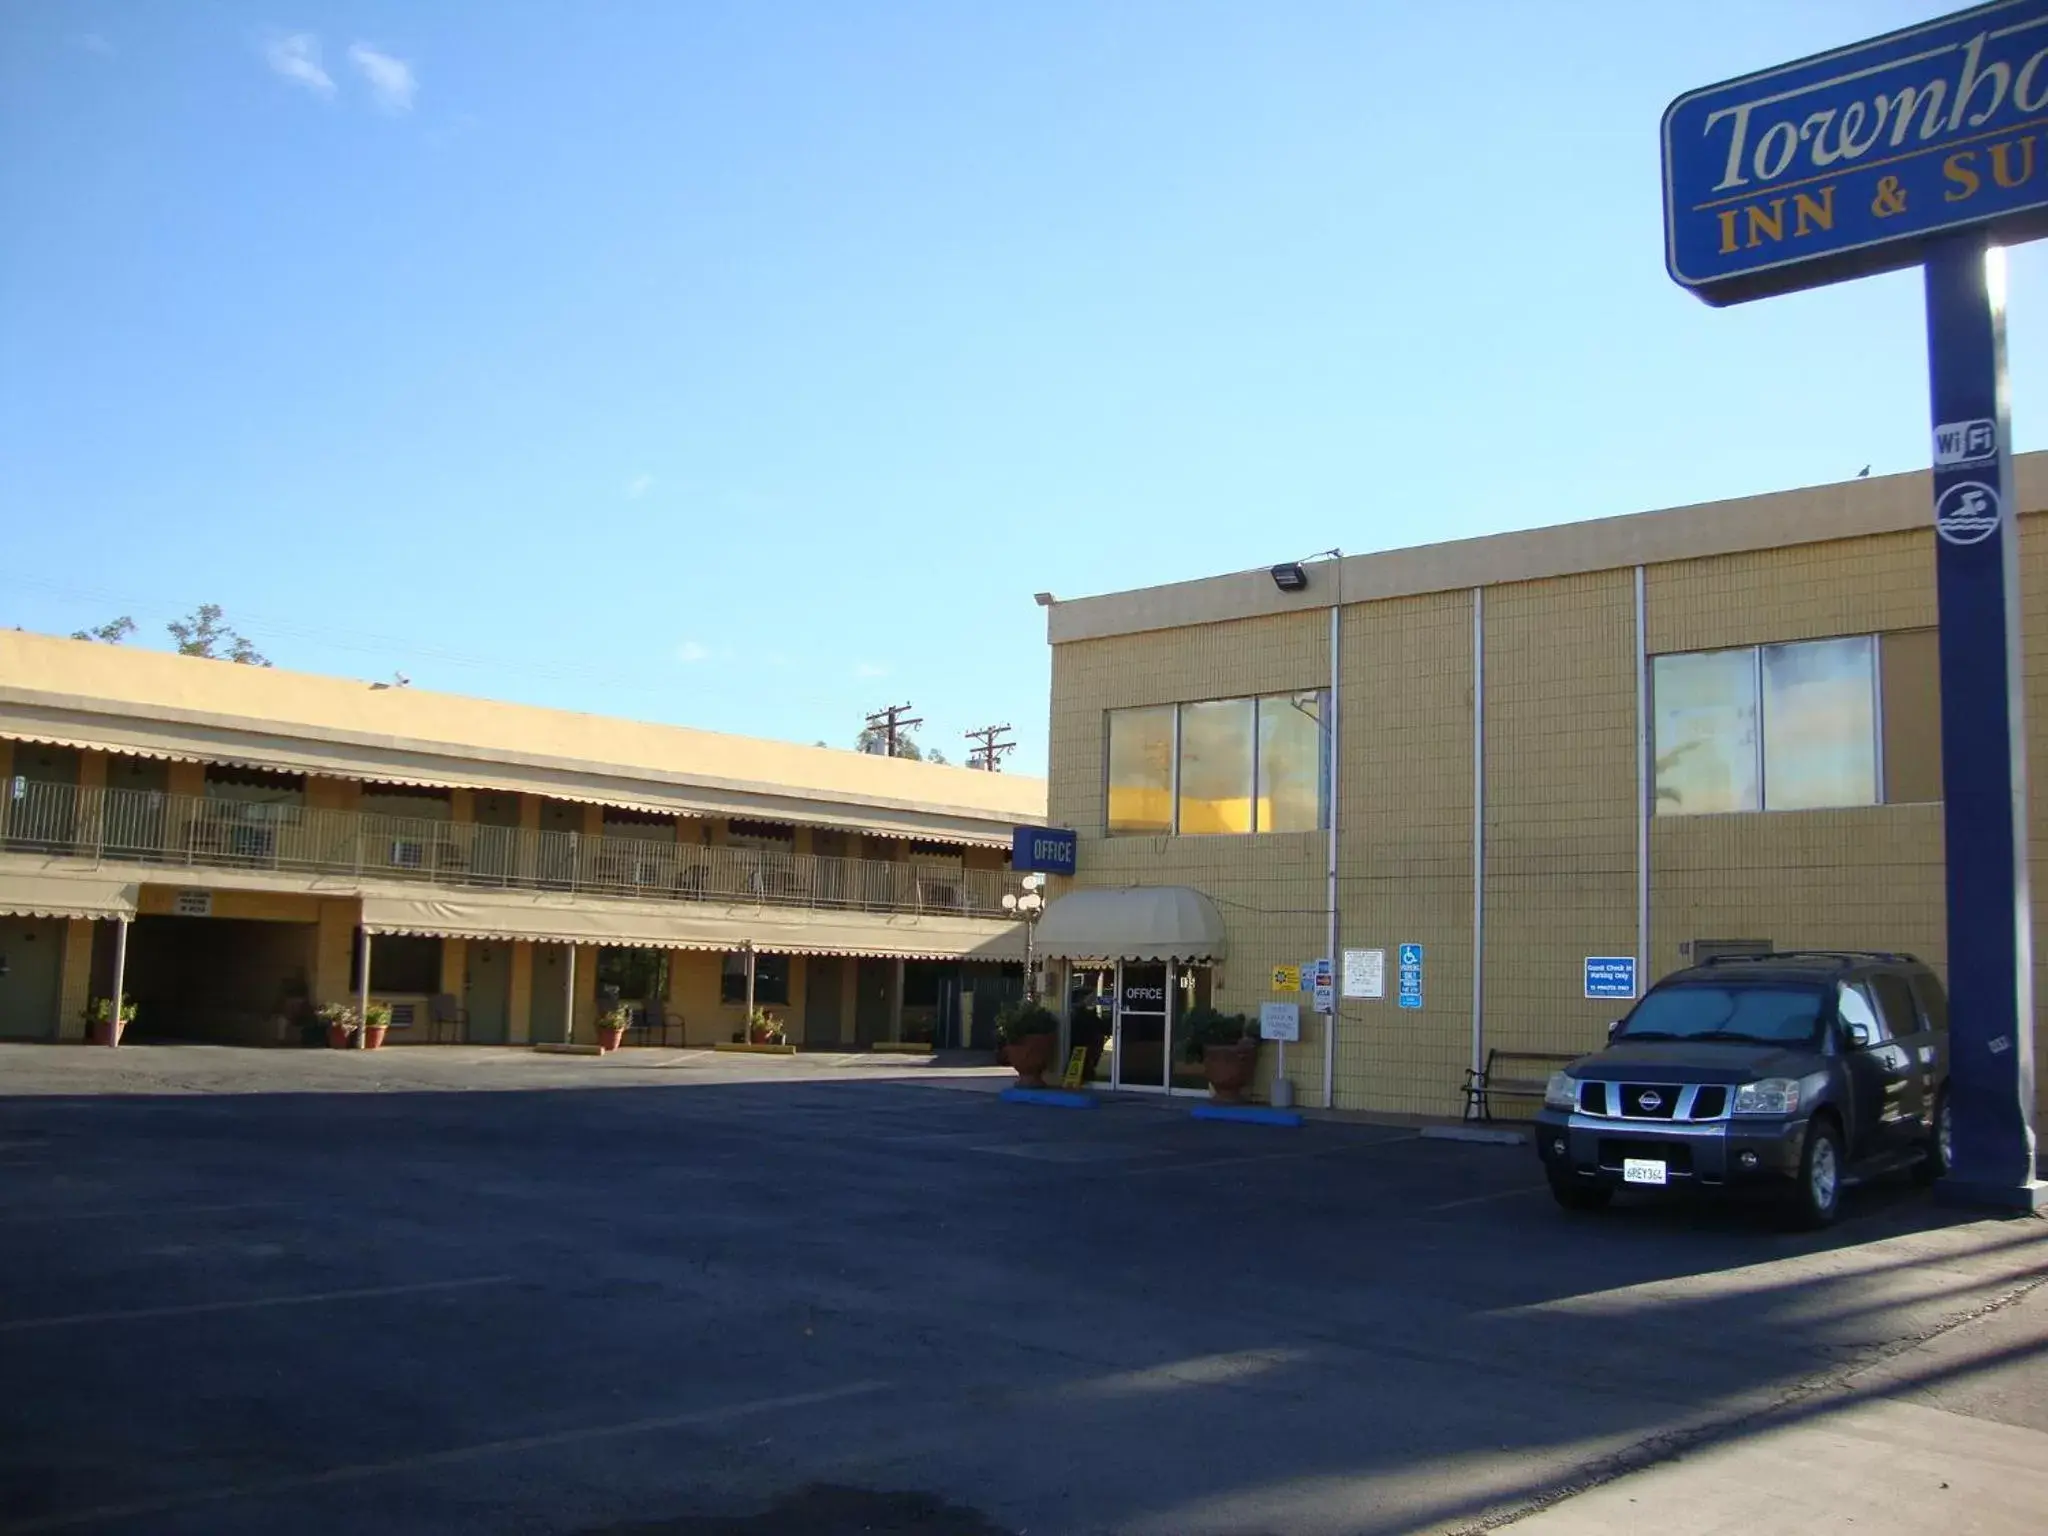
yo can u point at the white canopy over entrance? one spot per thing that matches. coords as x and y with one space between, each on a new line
1140 922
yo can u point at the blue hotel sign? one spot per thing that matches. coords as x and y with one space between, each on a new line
1043 850
1848 162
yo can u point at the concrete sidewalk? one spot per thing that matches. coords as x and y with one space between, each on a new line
1950 1435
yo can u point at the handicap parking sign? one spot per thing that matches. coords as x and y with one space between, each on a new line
1410 991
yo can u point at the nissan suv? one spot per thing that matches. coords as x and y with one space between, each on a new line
1795 1071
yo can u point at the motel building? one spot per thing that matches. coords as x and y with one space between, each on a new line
1652 738
242 842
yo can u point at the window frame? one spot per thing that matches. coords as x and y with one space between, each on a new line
1759 693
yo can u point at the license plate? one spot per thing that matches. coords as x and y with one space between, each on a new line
1642 1170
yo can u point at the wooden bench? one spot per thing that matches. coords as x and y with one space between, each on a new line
1510 1075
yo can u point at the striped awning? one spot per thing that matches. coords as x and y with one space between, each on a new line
545 919
40 893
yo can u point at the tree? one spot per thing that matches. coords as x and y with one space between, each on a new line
113 632
203 633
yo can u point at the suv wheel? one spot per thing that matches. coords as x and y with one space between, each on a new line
1940 1142
1574 1196
1817 1197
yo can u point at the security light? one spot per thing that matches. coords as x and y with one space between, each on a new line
1043 599
1290 577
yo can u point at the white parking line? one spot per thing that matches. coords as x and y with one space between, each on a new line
194 1309
458 1454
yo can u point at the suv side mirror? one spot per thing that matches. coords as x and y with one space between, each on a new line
1613 1028
1859 1035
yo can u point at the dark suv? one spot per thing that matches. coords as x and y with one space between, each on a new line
1799 1070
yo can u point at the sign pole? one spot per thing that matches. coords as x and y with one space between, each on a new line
1983 739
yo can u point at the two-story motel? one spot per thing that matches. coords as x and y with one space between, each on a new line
1656 737
241 841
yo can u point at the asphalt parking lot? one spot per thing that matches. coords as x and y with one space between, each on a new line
491 1291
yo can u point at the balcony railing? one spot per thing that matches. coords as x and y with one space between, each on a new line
143 827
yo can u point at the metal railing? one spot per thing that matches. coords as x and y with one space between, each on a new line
145 827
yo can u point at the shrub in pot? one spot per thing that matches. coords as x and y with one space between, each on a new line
611 1026
105 1023
1029 1032
763 1028
376 1021
1226 1045
343 1024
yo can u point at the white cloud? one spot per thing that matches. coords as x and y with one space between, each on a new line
870 669
297 59
390 79
693 651
639 486
95 42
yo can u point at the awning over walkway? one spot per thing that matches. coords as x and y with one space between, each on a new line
688 925
43 894
1140 922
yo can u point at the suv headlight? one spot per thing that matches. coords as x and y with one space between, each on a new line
1772 1096
1561 1092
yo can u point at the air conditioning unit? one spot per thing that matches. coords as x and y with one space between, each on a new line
408 853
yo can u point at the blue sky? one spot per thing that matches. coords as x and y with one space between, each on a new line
750 365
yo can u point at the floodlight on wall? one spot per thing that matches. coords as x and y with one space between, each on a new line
1290 577
1043 599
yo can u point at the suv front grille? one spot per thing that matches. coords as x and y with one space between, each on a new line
1649 1101
1709 1101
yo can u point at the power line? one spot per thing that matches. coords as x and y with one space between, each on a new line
988 756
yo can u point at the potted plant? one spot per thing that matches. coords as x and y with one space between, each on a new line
1227 1046
376 1020
343 1025
105 1022
763 1028
611 1026
1029 1032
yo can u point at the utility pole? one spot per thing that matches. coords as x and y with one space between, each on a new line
988 756
891 723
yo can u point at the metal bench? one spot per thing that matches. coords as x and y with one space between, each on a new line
1510 1075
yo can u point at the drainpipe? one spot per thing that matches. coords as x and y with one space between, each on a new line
1478 829
569 997
1330 949
747 1029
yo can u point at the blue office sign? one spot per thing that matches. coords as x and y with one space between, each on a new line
1853 161
1043 850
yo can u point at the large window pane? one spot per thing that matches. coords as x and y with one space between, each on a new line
1216 766
1141 770
1706 732
1294 781
1820 724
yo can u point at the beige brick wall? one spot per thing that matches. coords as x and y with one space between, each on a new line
1560 798
1560 804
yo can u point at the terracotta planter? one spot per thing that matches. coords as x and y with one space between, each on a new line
108 1031
339 1037
373 1036
1030 1056
610 1036
1230 1069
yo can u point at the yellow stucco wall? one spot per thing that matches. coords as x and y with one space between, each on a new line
76 989
519 1010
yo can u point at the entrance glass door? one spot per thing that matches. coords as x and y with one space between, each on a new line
1141 1048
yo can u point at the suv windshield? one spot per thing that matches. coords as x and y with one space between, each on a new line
1778 1015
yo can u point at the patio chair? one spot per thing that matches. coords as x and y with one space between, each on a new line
444 1012
653 1023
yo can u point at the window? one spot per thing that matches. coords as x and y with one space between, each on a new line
771 979
1215 792
1219 766
1141 770
1775 727
1820 724
1763 1015
637 974
1895 1001
402 962
1294 778
1854 1007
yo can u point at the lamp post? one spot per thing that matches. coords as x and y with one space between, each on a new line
1028 906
